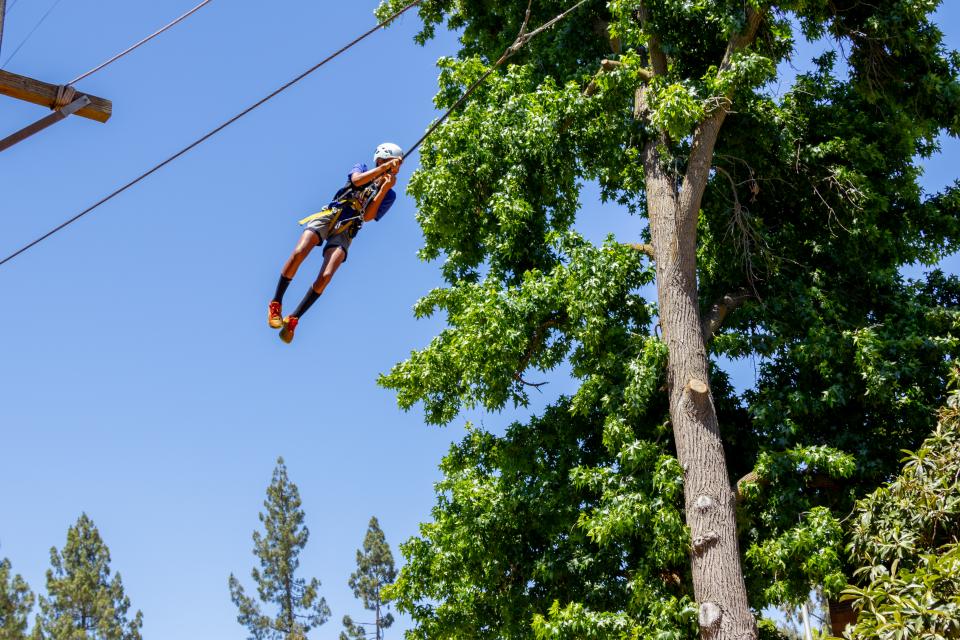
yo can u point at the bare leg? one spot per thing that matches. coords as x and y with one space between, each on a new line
333 257
308 240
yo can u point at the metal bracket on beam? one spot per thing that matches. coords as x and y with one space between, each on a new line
45 122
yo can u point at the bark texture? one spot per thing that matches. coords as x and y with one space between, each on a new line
673 207
709 499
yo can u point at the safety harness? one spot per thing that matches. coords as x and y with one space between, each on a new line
348 206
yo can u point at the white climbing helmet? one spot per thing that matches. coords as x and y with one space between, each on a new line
386 151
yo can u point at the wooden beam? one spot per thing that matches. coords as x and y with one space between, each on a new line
44 122
45 94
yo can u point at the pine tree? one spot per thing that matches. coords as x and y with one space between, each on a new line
16 601
299 605
83 600
375 570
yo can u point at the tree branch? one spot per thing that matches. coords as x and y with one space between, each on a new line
705 136
750 478
743 39
535 385
713 320
539 335
657 57
658 62
814 481
646 249
740 228
605 67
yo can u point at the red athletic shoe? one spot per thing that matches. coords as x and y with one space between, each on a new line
289 326
274 315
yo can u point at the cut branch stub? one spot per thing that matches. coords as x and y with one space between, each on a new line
607 66
700 543
705 503
697 388
750 478
645 249
714 318
709 615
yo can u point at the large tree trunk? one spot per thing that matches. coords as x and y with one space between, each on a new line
710 500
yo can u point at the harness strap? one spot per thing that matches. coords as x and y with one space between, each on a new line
356 198
318 214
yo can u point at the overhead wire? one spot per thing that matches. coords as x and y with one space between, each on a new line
3 13
520 41
140 43
32 31
113 59
522 38
210 134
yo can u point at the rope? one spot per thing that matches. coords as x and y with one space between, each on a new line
65 95
142 42
32 31
522 39
209 135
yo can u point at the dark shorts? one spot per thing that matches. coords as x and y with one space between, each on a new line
321 227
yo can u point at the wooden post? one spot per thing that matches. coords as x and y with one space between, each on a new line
3 10
45 95
805 614
841 614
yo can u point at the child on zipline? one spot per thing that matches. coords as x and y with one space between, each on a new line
368 195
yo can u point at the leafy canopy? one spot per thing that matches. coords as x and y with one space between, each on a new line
906 539
812 208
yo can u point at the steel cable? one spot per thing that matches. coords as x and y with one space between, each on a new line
141 42
209 135
520 41
32 31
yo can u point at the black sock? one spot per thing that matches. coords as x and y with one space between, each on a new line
306 303
281 289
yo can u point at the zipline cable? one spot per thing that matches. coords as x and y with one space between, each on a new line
138 44
522 39
32 31
209 135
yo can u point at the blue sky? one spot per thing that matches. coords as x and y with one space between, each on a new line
141 384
